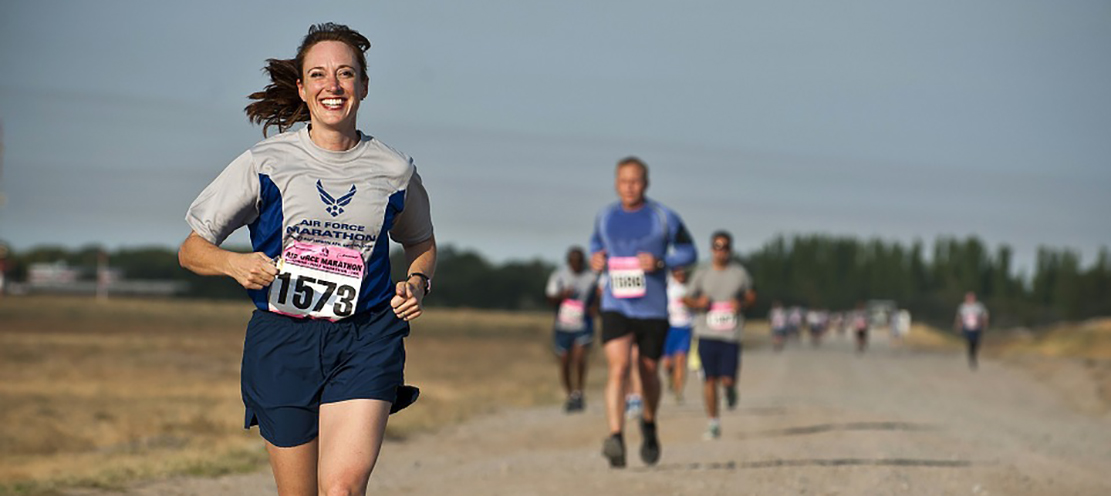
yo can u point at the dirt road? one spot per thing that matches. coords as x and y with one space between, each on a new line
811 421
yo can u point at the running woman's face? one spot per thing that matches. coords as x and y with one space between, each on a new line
331 85
631 184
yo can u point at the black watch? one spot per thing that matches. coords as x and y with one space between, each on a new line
427 285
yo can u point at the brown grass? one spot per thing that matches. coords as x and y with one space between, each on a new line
1073 358
101 393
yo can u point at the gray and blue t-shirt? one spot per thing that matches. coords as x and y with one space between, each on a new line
287 189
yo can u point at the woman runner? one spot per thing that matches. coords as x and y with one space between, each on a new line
324 354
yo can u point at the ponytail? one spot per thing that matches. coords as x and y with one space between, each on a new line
279 104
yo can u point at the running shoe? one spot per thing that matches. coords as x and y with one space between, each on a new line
574 403
634 406
614 450
731 397
650 449
713 431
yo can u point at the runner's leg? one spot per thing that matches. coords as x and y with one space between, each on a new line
294 468
578 367
710 393
617 357
565 360
680 373
351 434
634 386
650 386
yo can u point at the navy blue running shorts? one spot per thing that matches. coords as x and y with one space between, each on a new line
719 358
563 341
291 366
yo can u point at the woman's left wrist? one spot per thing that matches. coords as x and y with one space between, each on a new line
420 281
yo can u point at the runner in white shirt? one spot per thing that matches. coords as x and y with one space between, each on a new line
777 320
678 344
971 320
572 290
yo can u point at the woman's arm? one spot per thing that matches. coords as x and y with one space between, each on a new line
408 300
250 270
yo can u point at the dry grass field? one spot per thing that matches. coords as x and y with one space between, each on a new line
103 393
100 393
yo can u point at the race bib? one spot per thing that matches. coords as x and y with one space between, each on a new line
971 320
315 281
721 317
572 315
626 277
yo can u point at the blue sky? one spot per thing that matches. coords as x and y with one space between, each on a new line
901 120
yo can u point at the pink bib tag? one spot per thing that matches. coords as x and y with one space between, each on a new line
626 277
317 281
572 315
721 317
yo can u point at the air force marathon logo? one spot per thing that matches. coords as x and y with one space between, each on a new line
334 206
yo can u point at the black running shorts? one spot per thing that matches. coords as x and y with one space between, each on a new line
648 334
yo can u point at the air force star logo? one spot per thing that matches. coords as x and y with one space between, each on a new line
334 205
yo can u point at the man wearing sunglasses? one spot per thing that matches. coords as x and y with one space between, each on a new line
718 293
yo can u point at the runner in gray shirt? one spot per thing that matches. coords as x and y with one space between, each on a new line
719 293
324 355
572 290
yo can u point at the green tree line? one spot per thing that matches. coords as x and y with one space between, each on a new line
837 272
819 271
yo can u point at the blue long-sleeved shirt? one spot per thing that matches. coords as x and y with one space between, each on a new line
654 229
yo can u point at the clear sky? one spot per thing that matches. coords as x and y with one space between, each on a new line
884 118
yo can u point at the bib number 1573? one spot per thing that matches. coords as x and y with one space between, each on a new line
310 295
315 281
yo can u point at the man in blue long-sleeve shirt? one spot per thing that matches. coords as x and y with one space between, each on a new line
635 241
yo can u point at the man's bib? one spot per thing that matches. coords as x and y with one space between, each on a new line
721 317
572 315
626 277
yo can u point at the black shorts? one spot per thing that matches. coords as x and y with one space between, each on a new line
648 334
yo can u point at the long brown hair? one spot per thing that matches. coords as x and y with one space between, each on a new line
279 104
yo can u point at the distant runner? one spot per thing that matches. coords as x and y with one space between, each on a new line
858 319
571 289
631 241
816 325
900 325
777 319
794 323
718 293
678 344
972 320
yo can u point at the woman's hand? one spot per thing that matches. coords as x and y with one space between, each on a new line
251 270
407 302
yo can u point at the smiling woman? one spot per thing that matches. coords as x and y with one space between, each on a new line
324 355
